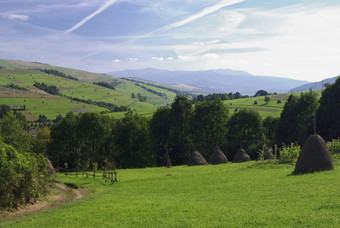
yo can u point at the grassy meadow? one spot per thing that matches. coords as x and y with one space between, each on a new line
229 195
40 103
273 108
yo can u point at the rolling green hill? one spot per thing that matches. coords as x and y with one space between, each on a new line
37 102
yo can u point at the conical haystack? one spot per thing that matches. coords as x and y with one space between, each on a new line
241 156
217 157
167 160
314 156
50 169
197 159
267 153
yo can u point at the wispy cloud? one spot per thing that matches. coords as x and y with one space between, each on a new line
89 17
196 16
14 16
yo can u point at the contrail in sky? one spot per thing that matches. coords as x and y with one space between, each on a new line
89 17
203 13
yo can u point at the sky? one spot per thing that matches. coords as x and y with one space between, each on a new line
297 39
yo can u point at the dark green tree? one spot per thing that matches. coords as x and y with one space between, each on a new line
297 119
180 142
245 130
270 124
64 143
209 126
328 114
132 142
160 133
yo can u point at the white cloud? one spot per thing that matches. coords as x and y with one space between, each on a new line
116 61
133 60
13 16
204 12
170 58
89 17
158 58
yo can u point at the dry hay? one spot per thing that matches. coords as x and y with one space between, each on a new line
50 168
267 154
217 157
167 160
197 159
314 156
241 156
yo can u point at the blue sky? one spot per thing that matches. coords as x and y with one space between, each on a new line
286 38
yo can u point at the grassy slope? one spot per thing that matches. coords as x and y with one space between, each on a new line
228 195
271 109
24 74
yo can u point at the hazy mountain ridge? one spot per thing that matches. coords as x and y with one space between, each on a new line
314 85
215 81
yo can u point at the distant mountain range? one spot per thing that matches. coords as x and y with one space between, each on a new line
314 85
214 81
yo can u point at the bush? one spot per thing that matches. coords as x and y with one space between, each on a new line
288 153
22 176
334 148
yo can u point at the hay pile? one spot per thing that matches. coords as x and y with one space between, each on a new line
50 168
217 157
314 156
267 154
167 161
241 156
197 159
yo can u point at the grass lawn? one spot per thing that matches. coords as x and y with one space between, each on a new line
229 195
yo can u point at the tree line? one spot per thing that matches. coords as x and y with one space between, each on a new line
176 131
58 73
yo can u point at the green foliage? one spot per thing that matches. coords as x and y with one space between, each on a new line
22 176
327 118
48 89
261 93
334 148
105 84
160 133
267 99
180 145
132 142
58 73
209 126
288 153
297 119
270 124
245 130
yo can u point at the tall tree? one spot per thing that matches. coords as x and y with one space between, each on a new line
245 130
209 125
180 137
132 142
160 133
297 119
328 114
64 143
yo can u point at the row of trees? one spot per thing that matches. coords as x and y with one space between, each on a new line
176 131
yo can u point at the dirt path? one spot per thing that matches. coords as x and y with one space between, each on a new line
61 195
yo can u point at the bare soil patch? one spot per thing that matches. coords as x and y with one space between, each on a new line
60 195
17 81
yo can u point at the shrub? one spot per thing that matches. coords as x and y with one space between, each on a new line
288 153
22 176
334 148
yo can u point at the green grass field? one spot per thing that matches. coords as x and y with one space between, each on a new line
273 108
230 195
25 78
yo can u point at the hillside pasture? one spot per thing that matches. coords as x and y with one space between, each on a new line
229 195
